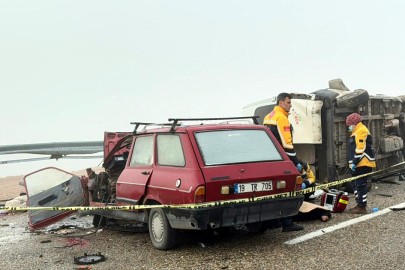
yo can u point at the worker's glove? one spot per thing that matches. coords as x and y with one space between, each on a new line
304 186
307 183
353 167
299 167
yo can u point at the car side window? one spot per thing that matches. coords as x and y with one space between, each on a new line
142 154
170 151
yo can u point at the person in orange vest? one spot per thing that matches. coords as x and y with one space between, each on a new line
279 125
361 158
277 122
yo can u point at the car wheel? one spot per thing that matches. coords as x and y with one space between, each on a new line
163 236
353 99
97 223
256 227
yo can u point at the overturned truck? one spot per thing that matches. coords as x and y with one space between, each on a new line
320 134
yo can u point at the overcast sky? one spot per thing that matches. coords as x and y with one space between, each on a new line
70 70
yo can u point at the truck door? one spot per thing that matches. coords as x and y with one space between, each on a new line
52 187
131 184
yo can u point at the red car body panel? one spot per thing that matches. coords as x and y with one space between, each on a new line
56 218
111 139
162 186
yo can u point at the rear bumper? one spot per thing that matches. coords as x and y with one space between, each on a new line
229 215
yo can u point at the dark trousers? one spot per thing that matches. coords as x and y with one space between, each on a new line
360 185
306 196
286 221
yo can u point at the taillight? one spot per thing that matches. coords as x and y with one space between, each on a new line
298 183
199 195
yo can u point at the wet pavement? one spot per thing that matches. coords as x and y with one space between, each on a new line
377 243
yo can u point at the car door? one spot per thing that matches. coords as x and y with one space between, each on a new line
131 184
52 187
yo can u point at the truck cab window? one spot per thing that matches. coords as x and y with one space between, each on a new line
142 154
170 151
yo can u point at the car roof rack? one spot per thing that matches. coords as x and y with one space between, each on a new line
137 124
176 120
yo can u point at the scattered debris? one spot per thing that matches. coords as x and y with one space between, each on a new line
70 242
133 227
17 202
375 209
384 195
397 209
89 258
45 241
65 231
202 245
3 212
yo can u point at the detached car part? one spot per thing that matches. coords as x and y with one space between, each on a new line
89 258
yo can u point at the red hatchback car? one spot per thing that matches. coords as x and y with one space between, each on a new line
178 164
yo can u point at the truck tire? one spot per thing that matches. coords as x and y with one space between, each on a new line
162 235
353 99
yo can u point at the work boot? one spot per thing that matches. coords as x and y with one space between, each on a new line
358 210
292 227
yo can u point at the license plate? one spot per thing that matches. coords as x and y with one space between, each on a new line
256 186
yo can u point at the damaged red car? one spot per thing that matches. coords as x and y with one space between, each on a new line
175 164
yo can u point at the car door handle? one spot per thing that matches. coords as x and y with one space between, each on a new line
145 172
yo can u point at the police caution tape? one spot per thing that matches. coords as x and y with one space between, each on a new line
207 204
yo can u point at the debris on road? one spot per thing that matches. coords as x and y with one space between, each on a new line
45 241
89 258
397 209
70 242
384 195
17 202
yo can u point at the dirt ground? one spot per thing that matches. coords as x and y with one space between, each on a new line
10 188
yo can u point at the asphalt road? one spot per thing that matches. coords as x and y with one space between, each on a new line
377 243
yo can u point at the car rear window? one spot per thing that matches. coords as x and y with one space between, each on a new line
236 146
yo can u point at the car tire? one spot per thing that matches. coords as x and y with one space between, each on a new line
162 235
96 221
353 99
